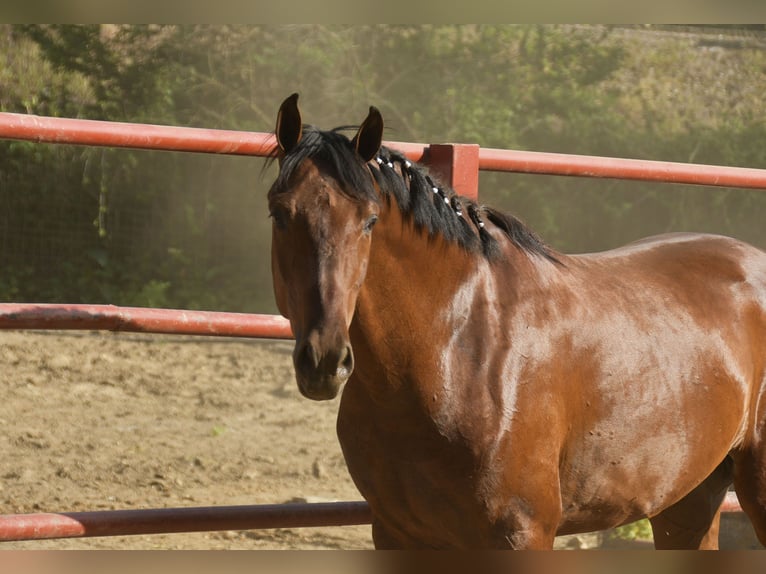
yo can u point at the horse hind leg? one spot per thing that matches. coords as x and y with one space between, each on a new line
693 521
750 485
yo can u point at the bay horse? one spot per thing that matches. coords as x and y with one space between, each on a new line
498 393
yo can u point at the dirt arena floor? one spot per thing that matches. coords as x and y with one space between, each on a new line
101 421
95 421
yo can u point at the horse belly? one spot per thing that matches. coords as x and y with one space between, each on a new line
635 466
651 414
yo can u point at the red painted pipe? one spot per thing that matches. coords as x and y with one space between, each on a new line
42 129
609 167
142 320
173 520
173 138
140 136
199 519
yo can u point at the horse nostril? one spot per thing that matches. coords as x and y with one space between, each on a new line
346 363
308 357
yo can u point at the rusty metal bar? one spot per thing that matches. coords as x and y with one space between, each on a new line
142 320
146 136
198 519
174 520
608 167
43 129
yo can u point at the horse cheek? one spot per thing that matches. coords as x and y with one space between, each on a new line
279 285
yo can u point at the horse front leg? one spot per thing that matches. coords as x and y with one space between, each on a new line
528 535
527 526
534 537
511 533
386 539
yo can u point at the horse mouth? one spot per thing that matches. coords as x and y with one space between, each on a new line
323 388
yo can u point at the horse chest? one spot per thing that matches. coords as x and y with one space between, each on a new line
413 476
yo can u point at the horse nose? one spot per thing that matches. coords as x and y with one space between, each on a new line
322 370
345 363
329 363
307 357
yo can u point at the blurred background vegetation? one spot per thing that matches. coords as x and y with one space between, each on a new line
100 225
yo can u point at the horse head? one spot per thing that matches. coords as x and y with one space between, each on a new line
323 206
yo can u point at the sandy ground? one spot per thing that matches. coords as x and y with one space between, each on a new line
95 421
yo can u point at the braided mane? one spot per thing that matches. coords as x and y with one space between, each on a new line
433 207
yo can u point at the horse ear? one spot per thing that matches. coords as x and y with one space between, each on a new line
289 127
370 135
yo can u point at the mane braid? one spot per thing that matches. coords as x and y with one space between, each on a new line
433 207
438 209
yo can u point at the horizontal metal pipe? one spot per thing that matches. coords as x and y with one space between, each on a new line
43 129
198 519
173 520
142 320
609 167
173 138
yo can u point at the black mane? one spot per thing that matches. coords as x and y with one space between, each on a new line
332 151
432 206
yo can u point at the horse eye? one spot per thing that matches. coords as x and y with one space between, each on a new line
370 223
279 218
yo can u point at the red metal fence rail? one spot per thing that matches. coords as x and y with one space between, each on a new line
142 320
46 525
458 164
174 520
171 138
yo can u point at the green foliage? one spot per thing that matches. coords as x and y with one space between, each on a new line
183 230
639 530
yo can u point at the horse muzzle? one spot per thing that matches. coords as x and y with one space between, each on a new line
322 370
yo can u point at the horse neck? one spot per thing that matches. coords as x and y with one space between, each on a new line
416 288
